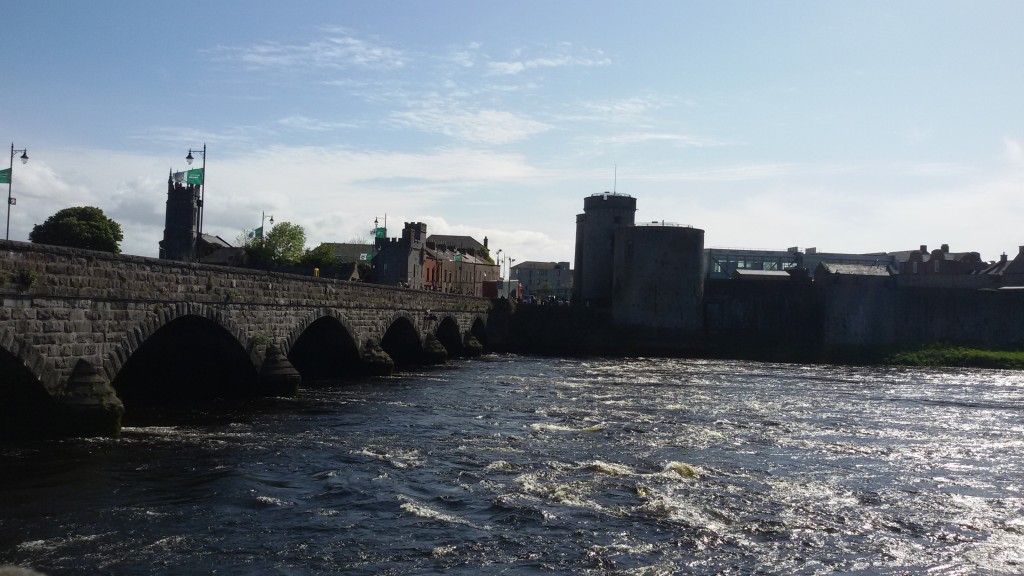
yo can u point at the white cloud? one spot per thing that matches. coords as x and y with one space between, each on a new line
626 109
467 56
481 126
933 169
340 48
744 172
645 137
843 208
299 122
1013 152
561 57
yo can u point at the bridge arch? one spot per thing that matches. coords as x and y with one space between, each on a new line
402 341
478 329
164 316
23 396
450 336
323 345
190 358
17 354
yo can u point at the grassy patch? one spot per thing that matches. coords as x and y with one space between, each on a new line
958 356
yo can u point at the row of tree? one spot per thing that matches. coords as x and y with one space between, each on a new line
88 227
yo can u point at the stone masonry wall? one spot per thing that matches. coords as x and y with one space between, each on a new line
62 304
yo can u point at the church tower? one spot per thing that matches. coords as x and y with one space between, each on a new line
181 224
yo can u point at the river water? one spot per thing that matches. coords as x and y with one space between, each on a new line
538 465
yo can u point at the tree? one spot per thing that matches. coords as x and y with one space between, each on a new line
79 227
283 245
320 257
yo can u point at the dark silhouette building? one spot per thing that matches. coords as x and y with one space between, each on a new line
595 244
181 223
399 261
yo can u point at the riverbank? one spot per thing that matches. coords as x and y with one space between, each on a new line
942 355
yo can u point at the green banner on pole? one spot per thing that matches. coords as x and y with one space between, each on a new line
194 176
5 176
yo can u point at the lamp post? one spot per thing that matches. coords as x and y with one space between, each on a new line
511 261
10 177
263 219
202 195
499 264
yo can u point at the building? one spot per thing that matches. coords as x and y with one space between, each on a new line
722 263
840 273
731 263
811 257
454 272
463 244
182 240
450 264
603 214
181 221
399 261
348 253
351 261
650 276
544 280
657 277
937 262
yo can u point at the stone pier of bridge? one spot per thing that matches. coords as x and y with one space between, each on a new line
84 333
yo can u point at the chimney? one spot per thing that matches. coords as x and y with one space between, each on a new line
1021 251
945 248
485 241
1002 259
924 248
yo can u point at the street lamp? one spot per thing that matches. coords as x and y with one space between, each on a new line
202 195
499 264
10 176
511 261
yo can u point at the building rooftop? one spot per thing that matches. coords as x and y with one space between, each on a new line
460 242
349 253
747 274
855 269
216 241
530 264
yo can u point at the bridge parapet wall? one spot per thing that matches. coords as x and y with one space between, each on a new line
71 273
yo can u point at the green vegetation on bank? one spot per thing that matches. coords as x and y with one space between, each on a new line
940 355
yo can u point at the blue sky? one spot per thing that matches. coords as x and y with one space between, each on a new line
847 126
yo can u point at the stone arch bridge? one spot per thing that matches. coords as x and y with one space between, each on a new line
83 333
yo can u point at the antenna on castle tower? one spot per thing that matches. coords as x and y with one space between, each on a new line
615 182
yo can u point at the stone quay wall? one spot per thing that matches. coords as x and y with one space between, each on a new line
791 321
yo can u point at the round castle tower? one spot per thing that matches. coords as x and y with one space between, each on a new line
602 215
